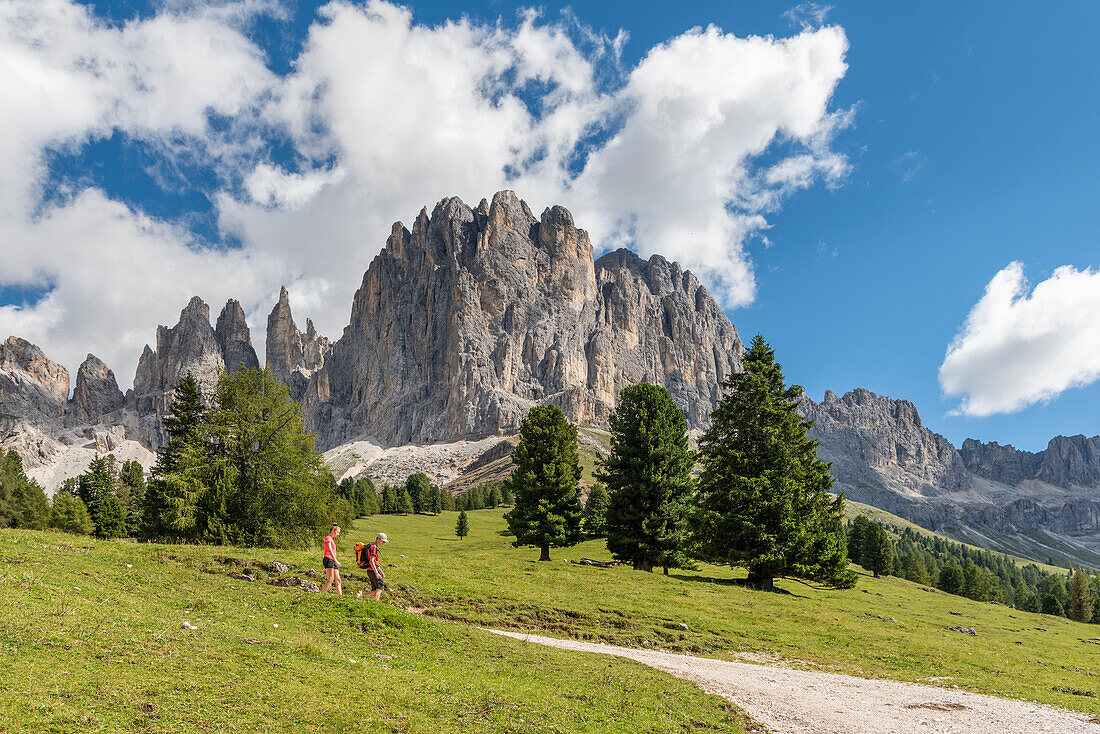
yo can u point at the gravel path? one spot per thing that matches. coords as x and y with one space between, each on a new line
790 701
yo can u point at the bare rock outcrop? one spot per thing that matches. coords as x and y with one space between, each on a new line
96 393
194 346
469 318
292 356
231 333
33 388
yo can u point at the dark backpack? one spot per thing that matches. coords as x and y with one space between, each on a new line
361 556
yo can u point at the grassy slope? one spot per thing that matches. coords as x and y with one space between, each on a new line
91 640
885 627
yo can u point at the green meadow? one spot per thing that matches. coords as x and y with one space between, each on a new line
92 638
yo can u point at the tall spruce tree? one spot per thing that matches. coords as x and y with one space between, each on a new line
877 554
648 480
405 503
762 491
161 518
547 512
23 504
419 488
462 527
595 512
1080 597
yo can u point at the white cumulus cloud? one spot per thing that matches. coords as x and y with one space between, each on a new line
383 115
1023 345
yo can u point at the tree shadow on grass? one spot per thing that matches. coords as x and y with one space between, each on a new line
741 583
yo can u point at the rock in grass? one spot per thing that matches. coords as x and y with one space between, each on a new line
279 568
309 586
188 626
684 627
288 582
243 577
963 630
310 572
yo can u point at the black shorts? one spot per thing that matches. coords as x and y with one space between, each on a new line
376 583
328 562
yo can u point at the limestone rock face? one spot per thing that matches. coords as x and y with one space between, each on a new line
33 388
469 318
96 393
192 345
291 355
234 338
882 455
880 445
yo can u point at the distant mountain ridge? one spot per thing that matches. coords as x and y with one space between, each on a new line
1037 505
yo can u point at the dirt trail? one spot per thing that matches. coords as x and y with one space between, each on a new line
790 701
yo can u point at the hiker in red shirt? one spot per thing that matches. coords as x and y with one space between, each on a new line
374 567
332 566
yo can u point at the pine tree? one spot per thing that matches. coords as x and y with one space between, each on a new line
69 515
405 503
462 527
99 489
389 500
419 488
878 551
1024 599
23 504
507 498
547 511
595 512
951 579
1053 597
132 477
446 499
648 480
762 491
857 530
1080 597
182 425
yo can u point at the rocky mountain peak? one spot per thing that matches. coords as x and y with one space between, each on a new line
235 339
96 392
194 346
33 387
291 355
469 318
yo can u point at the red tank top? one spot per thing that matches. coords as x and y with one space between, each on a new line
330 547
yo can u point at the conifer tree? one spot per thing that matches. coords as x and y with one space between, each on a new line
506 496
1053 597
1080 597
182 426
446 498
648 480
762 491
69 515
1024 599
951 578
23 504
419 488
878 551
547 511
595 512
496 498
389 500
462 527
857 529
132 478
405 503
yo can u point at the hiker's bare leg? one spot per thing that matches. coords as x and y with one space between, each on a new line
328 579
376 595
339 583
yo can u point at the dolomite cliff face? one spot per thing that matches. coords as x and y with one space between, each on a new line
1040 505
293 356
96 393
194 346
469 318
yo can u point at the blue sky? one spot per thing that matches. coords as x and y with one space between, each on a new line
941 144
